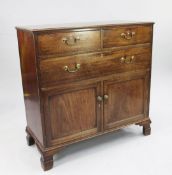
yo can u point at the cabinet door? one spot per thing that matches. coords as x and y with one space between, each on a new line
72 113
125 99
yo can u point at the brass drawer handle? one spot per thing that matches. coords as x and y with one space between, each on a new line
128 35
70 40
127 59
77 67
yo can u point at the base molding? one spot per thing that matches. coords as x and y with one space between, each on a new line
47 153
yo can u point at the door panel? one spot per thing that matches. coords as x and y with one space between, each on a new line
126 100
73 113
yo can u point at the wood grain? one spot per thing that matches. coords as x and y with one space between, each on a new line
82 25
108 92
93 65
52 43
72 112
112 37
126 101
30 83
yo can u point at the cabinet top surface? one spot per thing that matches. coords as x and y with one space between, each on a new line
79 25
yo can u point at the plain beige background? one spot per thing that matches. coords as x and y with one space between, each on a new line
125 152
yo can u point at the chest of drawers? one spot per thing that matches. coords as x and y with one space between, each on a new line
81 81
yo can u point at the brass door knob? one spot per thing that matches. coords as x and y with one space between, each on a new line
106 97
99 98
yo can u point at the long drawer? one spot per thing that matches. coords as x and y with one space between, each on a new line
84 66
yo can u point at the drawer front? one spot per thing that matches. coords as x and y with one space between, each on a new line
128 35
79 67
66 42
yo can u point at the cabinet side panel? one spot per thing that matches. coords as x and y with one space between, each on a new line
30 83
149 76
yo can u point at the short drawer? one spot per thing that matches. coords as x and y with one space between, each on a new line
127 35
79 67
66 42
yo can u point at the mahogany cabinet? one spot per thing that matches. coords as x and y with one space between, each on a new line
84 80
